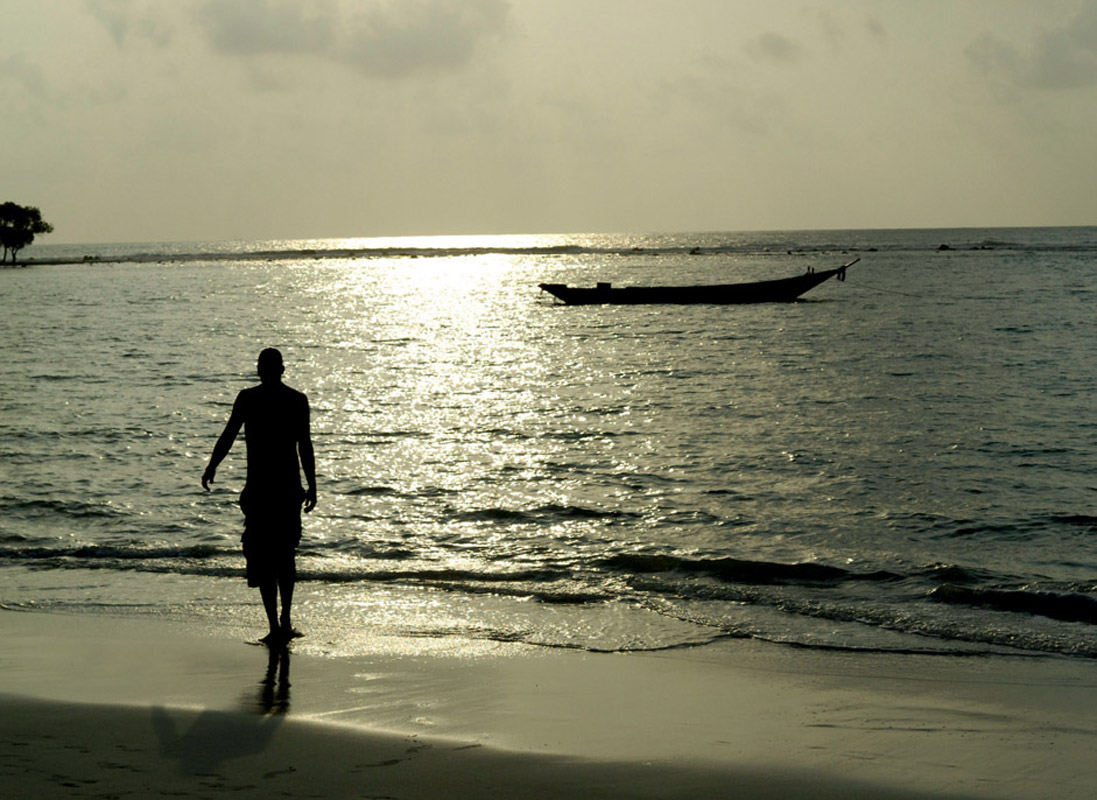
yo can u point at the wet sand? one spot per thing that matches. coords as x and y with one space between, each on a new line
107 707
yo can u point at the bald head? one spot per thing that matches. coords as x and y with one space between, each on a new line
270 365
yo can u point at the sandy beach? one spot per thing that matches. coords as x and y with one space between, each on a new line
106 707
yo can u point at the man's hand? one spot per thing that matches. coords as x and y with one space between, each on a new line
310 499
207 477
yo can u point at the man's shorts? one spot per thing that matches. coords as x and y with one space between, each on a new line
272 531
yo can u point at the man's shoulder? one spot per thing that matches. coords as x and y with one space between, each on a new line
268 396
249 394
290 400
297 396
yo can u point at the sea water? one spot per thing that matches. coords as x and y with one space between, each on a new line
903 461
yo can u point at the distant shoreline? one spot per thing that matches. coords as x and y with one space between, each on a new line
729 244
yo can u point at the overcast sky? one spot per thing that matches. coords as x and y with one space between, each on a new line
145 120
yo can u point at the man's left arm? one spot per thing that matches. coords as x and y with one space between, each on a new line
308 459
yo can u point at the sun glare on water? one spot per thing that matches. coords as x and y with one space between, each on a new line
428 365
453 243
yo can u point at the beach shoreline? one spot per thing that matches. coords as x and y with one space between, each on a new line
204 714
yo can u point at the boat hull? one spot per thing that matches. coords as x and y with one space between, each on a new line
782 290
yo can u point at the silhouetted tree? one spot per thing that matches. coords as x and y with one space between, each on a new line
18 227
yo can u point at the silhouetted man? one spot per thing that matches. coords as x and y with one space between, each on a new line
275 419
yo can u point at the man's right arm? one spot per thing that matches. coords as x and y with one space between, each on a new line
224 442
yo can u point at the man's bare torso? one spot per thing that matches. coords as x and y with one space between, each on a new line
276 419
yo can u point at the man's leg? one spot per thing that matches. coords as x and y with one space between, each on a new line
285 586
268 589
287 577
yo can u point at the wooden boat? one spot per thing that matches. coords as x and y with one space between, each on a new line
782 290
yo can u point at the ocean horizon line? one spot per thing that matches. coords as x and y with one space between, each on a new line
763 242
530 234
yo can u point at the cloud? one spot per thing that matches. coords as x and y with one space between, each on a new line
251 27
839 30
30 76
722 96
123 19
1060 58
113 16
416 36
875 27
383 39
775 48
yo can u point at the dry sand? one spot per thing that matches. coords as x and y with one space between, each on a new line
101 707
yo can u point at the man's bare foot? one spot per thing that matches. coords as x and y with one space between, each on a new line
274 639
289 632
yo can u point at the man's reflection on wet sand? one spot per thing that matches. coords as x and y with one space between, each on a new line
273 694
